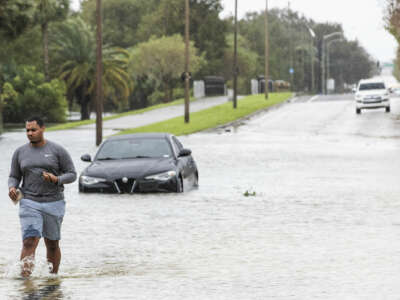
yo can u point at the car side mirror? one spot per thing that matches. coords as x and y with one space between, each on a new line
353 90
184 152
86 157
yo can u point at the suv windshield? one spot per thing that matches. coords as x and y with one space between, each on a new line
372 86
134 148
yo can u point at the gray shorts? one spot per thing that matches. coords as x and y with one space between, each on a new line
41 219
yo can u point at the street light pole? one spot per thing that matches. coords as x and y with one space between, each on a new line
266 76
187 77
235 61
99 75
326 37
328 57
312 34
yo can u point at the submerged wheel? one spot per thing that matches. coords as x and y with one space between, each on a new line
179 185
387 109
196 180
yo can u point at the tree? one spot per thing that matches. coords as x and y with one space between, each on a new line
28 93
15 17
74 47
168 19
121 19
46 12
163 59
291 46
246 62
129 22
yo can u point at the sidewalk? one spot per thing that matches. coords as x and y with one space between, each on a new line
158 115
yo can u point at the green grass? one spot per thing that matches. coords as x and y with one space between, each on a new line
74 124
214 116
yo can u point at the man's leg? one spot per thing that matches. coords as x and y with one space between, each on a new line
53 254
29 246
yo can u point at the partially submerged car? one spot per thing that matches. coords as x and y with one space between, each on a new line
145 162
372 93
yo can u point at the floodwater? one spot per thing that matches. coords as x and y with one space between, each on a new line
324 222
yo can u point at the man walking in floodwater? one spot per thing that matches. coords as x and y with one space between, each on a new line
43 167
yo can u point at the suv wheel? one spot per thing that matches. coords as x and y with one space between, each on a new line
358 111
387 109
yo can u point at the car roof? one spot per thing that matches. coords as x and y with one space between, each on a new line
372 80
139 136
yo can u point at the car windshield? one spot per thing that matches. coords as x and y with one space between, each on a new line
372 86
134 148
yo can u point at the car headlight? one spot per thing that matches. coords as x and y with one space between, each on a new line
162 176
358 97
88 180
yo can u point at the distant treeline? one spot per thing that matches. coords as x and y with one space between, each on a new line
47 58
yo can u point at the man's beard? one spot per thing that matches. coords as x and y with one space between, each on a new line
34 142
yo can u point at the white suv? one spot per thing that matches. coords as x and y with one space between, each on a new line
372 93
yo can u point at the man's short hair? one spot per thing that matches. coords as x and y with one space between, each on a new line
38 120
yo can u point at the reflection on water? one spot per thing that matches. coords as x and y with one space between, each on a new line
36 289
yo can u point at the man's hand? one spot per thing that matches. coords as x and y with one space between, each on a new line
12 193
50 177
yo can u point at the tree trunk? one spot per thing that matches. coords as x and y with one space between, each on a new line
85 108
45 36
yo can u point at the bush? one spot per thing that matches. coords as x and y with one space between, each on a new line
28 94
156 97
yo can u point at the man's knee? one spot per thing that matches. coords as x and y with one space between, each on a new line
30 243
51 245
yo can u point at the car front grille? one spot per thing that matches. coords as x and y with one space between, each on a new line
125 187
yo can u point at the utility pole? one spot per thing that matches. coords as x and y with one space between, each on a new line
235 68
323 66
290 48
312 34
187 77
266 76
99 75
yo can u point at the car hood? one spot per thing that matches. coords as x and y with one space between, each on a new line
372 92
131 168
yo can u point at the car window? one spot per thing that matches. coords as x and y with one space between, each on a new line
134 148
177 144
371 86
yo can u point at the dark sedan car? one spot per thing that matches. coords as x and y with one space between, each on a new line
145 162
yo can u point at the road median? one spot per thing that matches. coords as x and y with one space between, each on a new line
213 117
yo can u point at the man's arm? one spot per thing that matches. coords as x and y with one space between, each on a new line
68 173
15 177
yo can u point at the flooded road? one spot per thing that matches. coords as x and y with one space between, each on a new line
324 222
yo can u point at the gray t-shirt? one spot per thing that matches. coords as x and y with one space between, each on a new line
29 162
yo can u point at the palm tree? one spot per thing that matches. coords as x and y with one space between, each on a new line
74 46
46 12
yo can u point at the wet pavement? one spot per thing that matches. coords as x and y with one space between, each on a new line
324 222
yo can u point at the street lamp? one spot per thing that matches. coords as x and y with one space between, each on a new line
312 34
266 76
324 38
235 61
327 55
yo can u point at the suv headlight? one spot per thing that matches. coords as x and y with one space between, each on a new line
358 97
162 176
90 180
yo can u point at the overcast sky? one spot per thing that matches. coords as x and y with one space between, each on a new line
361 19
